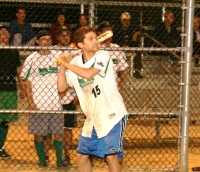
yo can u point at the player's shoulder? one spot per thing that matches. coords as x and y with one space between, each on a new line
32 56
77 59
102 56
103 53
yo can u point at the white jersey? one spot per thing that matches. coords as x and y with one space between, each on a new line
99 97
42 71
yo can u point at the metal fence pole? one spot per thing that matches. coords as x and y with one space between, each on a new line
186 80
91 12
82 8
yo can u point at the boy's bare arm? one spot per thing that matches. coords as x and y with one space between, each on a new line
28 90
62 84
22 93
86 73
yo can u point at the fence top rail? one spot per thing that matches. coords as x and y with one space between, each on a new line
118 3
49 2
114 3
152 114
35 48
139 4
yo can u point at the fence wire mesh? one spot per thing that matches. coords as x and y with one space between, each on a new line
147 50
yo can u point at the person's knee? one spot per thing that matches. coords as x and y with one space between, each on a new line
58 137
82 158
111 158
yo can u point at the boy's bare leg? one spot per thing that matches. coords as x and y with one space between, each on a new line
67 137
84 163
47 145
113 163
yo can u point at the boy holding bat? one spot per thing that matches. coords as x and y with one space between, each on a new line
92 76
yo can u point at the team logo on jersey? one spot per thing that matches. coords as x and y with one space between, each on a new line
83 82
51 69
100 64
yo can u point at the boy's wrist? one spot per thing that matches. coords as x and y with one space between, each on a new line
66 65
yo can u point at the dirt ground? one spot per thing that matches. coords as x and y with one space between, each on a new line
24 159
193 161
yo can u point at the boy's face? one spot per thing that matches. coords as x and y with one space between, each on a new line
64 38
169 19
90 43
4 35
125 23
21 15
83 21
44 41
196 23
61 18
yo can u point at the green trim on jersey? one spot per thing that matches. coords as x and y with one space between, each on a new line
29 72
84 82
105 69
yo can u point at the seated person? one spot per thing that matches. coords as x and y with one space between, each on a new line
83 21
60 22
126 35
166 33
21 32
63 37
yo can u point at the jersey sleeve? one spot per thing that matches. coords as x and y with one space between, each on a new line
102 62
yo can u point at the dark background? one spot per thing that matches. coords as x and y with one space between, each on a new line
47 13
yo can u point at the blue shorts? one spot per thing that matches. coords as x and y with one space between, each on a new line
110 144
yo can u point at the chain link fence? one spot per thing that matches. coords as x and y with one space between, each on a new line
150 66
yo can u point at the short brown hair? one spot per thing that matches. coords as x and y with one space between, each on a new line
79 35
